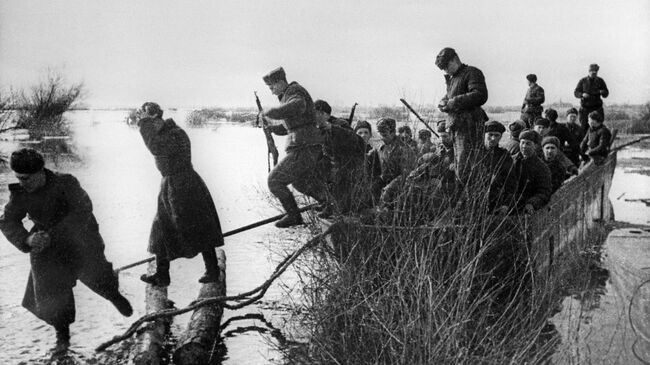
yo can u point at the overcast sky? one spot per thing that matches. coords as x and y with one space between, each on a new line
214 53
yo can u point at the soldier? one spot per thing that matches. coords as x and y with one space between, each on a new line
543 129
542 126
372 165
434 179
551 147
589 90
301 166
596 143
404 132
424 142
446 146
533 176
496 170
345 152
532 108
568 144
64 244
323 113
466 92
396 159
573 125
512 144
186 220
363 130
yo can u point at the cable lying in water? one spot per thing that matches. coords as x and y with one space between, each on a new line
241 300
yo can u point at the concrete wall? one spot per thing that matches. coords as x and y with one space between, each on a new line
572 214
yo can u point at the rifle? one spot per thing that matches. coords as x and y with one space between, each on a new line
270 143
352 113
419 118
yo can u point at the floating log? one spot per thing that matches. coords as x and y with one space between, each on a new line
149 342
196 343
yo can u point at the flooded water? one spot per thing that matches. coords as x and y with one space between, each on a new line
119 174
594 321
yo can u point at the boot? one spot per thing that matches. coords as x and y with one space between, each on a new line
293 217
161 277
62 339
122 304
212 270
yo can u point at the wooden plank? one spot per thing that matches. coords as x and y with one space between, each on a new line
196 343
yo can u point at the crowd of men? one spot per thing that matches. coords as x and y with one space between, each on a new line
327 158
344 174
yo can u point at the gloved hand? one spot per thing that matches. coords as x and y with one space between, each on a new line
38 241
442 106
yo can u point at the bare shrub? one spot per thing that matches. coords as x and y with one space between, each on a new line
6 112
435 282
41 109
637 121
384 111
201 117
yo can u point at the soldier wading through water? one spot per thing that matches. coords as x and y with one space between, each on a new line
64 245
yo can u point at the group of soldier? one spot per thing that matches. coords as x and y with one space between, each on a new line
326 162
327 158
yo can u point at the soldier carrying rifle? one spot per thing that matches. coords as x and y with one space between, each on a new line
303 164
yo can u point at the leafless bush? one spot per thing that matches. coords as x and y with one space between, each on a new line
6 112
41 109
383 111
202 117
435 282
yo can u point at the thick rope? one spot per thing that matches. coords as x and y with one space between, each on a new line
241 300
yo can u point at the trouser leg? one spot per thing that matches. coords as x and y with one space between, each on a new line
62 338
211 262
311 172
583 117
96 272
279 179
162 265
301 169
62 332
464 145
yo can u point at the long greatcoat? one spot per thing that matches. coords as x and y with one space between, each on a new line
186 221
63 210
